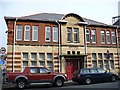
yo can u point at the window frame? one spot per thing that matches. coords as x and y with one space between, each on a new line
47 29
69 34
88 34
103 37
108 37
76 33
93 34
18 30
55 31
33 32
25 31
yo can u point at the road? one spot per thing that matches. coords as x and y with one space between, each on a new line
73 86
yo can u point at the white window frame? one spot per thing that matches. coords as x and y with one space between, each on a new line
55 32
47 29
69 32
77 34
33 32
102 33
108 37
26 32
88 33
18 30
113 37
93 32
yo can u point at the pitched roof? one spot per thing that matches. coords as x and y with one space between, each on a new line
54 17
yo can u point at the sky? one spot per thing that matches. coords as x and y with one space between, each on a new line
98 10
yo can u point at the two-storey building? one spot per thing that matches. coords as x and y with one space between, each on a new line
62 43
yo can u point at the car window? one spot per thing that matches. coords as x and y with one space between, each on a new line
84 71
33 70
101 70
43 70
93 71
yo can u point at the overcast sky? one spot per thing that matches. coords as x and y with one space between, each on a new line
98 10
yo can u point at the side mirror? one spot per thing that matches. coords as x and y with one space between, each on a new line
49 72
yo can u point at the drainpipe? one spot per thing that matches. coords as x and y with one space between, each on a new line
118 48
13 48
59 45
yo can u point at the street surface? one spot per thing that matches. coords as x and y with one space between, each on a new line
71 86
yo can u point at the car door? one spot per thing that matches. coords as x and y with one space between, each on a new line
94 74
45 75
34 75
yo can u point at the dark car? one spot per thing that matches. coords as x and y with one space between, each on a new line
93 75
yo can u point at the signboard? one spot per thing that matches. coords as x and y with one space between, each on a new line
2 50
2 62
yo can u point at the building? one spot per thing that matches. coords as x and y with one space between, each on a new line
62 43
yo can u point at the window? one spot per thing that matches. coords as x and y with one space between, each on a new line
27 33
34 70
113 38
73 52
105 56
100 64
93 70
50 65
34 33
87 35
24 64
93 36
76 35
111 64
99 55
25 56
101 70
111 55
19 32
43 70
33 56
78 52
33 63
69 34
94 63
105 64
55 34
42 63
94 56
84 71
48 33
68 52
42 56
49 56
108 37
103 37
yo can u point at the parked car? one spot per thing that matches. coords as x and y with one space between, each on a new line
93 75
36 75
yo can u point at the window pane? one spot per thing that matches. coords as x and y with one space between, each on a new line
105 64
19 32
42 63
111 64
42 56
34 56
35 33
69 34
47 29
55 34
100 55
113 38
94 63
25 63
103 37
108 37
49 56
94 56
33 63
100 64
25 56
50 66
76 34
93 35
27 33
88 35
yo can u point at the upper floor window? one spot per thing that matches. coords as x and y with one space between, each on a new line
27 33
103 37
69 34
19 32
47 33
34 33
55 34
108 37
93 36
49 56
113 38
33 56
87 35
76 34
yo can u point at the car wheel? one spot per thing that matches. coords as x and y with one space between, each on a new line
113 78
88 81
21 84
59 82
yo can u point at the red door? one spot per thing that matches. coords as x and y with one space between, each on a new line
71 66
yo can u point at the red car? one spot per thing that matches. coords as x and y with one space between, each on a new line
36 75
